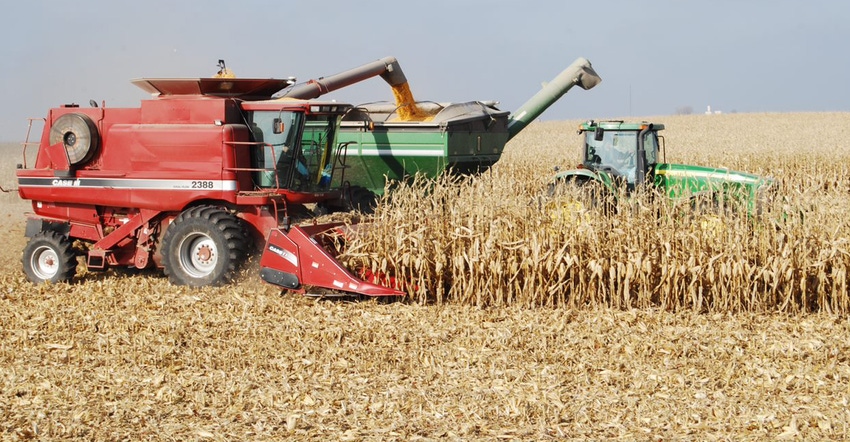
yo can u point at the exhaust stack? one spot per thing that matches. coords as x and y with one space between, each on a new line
580 73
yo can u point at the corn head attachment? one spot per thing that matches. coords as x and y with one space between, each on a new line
301 257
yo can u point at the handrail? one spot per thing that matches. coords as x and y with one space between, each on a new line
27 141
264 169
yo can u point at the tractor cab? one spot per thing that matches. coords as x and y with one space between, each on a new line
626 152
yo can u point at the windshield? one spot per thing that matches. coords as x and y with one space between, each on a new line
616 150
296 151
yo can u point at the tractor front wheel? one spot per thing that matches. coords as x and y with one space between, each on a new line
49 257
203 246
584 194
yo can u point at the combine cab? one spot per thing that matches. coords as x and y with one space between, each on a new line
624 157
187 182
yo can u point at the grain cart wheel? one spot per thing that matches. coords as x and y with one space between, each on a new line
49 257
203 246
362 200
79 134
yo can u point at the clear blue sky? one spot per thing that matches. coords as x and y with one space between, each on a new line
654 56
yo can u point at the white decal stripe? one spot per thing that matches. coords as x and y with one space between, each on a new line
402 152
726 176
125 183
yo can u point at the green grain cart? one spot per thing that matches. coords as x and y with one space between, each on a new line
458 137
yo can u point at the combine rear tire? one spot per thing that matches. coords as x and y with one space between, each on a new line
203 246
49 257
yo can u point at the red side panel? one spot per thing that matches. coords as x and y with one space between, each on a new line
58 157
157 166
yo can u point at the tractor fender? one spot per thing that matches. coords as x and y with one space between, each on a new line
582 175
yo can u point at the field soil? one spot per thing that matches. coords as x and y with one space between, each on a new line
115 356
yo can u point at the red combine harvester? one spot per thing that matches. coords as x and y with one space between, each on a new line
188 182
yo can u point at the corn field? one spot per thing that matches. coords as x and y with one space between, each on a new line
529 317
498 240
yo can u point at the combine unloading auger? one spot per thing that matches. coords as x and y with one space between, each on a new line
387 67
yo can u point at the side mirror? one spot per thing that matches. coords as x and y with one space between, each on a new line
277 126
599 134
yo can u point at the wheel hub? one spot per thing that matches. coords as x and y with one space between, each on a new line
46 263
204 253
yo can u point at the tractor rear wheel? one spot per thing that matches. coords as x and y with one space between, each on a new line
49 257
203 246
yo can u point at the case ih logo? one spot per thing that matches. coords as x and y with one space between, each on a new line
66 183
285 254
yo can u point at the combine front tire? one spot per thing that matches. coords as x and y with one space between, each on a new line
203 246
49 257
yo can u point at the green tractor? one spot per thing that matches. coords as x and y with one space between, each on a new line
621 158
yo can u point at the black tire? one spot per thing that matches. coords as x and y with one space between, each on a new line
556 188
49 257
203 246
362 200
594 193
353 199
321 209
